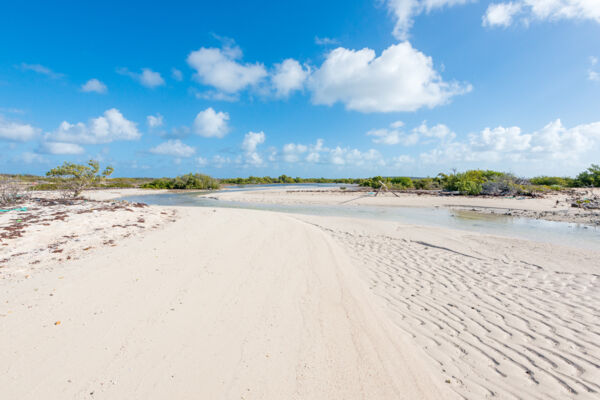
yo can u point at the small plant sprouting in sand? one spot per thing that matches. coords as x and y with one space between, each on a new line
72 178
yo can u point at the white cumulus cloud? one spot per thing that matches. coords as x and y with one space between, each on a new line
151 78
404 11
174 148
60 148
292 152
219 161
148 78
94 85
154 121
288 77
391 137
549 146
250 144
16 131
318 153
439 131
394 135
354 157
221 69
209 123
503 13
109 127
400 79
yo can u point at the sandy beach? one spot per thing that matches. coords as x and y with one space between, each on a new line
339 200
240 304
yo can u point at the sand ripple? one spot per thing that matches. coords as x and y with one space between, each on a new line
495 328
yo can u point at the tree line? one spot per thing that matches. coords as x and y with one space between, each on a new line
488 182
73 178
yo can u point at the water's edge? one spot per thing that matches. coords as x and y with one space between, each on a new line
563 233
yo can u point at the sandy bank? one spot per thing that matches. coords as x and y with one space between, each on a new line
221 304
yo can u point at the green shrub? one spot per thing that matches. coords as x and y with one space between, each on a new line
550 181
590 177
474 182
72 178
189 181
374 182
469 187
425 184
401 182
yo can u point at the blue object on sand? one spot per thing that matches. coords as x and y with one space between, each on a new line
15 209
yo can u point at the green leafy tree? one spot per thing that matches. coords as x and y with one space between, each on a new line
74 178
590 177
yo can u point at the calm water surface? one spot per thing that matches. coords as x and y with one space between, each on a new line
570 234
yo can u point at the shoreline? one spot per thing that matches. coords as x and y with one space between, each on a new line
555 206
207 301
552 207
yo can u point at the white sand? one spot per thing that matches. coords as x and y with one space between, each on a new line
218 305
241 304
111 194
55 231
503 318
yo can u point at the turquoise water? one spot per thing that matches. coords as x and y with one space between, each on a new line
563 233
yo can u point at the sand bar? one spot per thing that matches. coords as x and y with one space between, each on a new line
227 304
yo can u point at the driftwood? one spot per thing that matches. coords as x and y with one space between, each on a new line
384 186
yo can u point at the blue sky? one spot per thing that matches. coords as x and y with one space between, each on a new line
231 88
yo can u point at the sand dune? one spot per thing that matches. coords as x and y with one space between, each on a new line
222 304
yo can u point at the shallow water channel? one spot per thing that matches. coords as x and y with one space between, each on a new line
570 234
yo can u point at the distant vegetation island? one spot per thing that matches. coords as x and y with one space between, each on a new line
71 179
472 182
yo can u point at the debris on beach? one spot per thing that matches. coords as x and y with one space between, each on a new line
585 200
45 230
